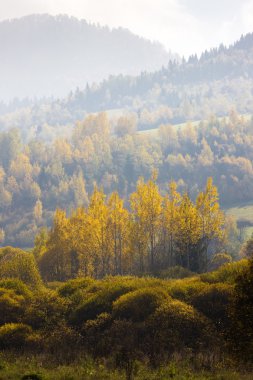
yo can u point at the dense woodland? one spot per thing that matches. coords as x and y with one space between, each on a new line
38 177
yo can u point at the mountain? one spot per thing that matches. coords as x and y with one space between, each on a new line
214 83
42 55
217 81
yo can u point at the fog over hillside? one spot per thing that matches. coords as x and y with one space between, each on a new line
42 55
216 82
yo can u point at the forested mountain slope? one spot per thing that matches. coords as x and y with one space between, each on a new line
193 89
51 160
42 55
216 82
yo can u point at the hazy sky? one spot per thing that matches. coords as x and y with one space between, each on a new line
184 26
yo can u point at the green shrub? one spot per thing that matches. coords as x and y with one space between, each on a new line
99 302
226 273
97 330
17 286
71 286
242 314
46 310
185 289
139 304
15 263
214 301
11 306
14 335
174 327
66 339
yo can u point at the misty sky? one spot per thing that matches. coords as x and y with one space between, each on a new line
184 26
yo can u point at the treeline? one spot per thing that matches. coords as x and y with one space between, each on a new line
38 177
108 239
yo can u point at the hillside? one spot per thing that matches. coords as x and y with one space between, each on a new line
217 81
39 176
44 55
53 160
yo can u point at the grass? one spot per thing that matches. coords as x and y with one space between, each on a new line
153 132
42 368
240 212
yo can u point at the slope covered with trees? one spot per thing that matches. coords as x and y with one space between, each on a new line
214 83
38 177
48 56
211 84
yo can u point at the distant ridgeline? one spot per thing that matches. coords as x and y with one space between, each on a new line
192 89
217 81
44 55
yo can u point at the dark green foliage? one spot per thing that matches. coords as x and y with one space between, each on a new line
99 302
185 289
17 286
46 310
71 286
214 301
242 314
138 305
32 376
125 320
11 306
98 330
174 327
14 335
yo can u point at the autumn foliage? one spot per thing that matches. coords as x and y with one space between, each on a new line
152 233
